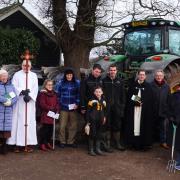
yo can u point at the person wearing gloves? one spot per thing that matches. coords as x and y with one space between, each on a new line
95 120
68 90
48 102
174 117
7 99
28 96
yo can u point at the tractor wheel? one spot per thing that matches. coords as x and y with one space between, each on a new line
172 74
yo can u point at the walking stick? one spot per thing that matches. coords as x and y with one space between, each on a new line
172 163
27 56
54 129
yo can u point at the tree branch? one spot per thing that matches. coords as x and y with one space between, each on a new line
107 41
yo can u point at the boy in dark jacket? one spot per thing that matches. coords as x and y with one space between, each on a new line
96 118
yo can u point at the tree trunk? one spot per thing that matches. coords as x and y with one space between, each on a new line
77 57
75 43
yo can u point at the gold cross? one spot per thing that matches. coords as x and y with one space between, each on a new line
27 55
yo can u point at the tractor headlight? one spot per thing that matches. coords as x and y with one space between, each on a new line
161 22
171 23
153 23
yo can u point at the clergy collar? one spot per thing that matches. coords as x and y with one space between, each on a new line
140 82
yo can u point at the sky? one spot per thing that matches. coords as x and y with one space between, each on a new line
31 7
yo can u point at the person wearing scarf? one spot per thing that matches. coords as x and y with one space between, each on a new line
161 94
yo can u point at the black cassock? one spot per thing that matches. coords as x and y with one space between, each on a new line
146 121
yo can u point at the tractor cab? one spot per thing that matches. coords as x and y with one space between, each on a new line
153 44
149 37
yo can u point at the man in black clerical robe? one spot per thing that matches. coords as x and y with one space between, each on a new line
139 121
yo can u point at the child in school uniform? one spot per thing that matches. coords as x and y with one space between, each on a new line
96 119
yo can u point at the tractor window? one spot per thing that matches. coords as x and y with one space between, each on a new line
174 41
143 42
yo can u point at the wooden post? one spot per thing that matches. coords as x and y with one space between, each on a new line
27 57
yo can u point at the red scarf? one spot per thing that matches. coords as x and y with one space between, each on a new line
159 83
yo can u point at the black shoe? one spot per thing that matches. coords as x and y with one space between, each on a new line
92 153
98 149
108 150
4 149
120 147
62 145
72 145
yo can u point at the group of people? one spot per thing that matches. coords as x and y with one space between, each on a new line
114 117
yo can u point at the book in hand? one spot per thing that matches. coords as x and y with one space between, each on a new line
71 106
53 115
10 95
87 129
136 98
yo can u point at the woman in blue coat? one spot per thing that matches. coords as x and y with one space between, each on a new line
7 100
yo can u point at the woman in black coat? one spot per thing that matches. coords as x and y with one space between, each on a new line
174 108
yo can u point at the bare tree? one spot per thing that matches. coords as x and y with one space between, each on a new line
78 23
10 2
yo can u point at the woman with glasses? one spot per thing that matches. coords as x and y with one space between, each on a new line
48 102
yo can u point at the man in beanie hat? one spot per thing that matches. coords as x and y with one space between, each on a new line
68 92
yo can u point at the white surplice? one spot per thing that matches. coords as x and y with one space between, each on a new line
137 117
18 119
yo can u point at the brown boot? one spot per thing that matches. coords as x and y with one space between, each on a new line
165 146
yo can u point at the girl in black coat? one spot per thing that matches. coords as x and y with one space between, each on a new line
174 108
95 118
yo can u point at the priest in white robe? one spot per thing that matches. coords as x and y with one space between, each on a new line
29 97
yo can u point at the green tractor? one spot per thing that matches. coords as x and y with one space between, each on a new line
150 44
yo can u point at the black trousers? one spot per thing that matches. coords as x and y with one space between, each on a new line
114 119
45 133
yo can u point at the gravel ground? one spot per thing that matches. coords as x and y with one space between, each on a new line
76 164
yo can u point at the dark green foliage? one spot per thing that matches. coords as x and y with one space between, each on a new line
13 42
